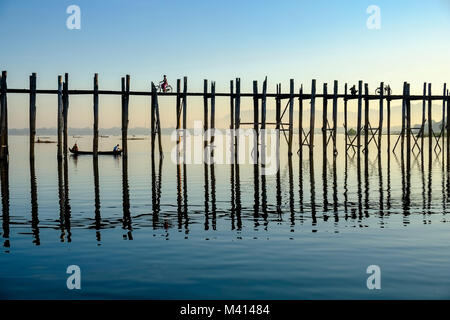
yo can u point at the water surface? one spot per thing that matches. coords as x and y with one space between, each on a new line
147 228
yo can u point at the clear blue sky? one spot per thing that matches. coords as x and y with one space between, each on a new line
219 40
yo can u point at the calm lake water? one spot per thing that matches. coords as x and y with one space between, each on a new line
151 229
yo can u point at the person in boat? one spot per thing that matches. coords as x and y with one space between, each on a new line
164 84
75 147
116 149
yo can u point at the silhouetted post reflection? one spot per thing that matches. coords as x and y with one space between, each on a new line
335 192
424 198
447 175
206 188
179 195
156 189
389 195
444 198
233 198
313 189
4 172
63 195
430 185
264 200
126 222
61 198
98 217
256 194
67 208
346 186
300 185
291 193
213 196
34 204
359 182
185 200
278 194
380 184
405 171
182 200
366 182
325 181
238 197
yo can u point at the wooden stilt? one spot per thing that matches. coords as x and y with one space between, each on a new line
263 105
291 116
380 117
65 112
358 129
408 121
424 102
335 113
403 117
178 110
345 117
366 118
443 118
152 118
184 117
184 103
448 129
95 142
255 118
278 120
325 120
60 118
125 103
388 109
278 108
430 120
32 113
237 115
312 119
300 122
232 104
263 123
158 127
325 110
213 113
205 113
4 118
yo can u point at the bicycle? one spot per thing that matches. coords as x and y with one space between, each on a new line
159 88
387 90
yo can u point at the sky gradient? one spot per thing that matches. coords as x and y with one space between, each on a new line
216 40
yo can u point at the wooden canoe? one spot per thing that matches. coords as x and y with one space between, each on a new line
105 153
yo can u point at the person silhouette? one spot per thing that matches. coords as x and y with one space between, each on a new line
164 84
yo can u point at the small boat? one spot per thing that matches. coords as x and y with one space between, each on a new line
105 153
136 138
104 136
44 141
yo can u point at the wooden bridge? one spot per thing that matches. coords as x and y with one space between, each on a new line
410 137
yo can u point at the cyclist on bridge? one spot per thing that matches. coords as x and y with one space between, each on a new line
164 84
